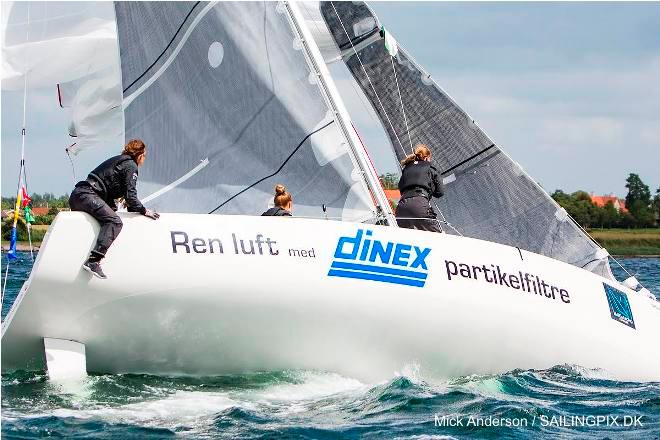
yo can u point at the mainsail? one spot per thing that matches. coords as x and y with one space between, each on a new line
488 195
229 106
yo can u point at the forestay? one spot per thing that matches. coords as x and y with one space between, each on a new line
488 195
225 99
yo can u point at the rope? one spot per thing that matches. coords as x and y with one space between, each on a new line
4 286
21 170
29 226
73 167
368 78
383 107
368 109
403 109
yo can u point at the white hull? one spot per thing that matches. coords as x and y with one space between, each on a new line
162 312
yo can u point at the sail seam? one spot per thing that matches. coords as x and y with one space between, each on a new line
276 171
164 50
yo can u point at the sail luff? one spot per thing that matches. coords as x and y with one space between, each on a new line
341 114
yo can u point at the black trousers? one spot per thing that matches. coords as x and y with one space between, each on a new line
417 213
84 198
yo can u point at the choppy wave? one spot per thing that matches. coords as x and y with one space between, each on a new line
312 404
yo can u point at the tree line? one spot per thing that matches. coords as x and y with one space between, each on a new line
642 210
45 200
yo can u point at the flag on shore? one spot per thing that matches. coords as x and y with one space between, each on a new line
29 217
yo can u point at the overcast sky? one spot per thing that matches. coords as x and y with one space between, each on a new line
570 90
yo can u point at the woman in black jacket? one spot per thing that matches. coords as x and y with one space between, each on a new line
113 179
419 182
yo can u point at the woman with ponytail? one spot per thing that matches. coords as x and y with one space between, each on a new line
419 182
283 203
116 178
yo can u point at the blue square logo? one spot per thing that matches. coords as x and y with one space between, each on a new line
619 306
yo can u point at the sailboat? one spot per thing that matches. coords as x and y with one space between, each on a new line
232 98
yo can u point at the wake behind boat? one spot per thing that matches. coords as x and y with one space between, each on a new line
233 97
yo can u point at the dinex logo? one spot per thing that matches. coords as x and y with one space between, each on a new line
364 258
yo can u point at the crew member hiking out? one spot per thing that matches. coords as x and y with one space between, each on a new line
419 182
283 203
113 179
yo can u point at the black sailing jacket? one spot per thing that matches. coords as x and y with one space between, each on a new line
277 212
115 178
420 178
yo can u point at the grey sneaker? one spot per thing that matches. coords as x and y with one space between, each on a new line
95 269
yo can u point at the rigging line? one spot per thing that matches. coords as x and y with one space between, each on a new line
73 167
403 150
22 165
276 171
164 50
27 224
4 286
444 219
403 109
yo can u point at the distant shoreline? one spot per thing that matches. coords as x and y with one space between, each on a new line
22 246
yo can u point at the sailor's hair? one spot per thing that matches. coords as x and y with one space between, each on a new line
420 153
134 148
282 196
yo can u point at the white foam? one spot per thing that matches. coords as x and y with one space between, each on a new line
313 385
181 409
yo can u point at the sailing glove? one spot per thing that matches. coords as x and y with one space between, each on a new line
151 214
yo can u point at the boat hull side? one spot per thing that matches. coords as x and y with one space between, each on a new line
171 306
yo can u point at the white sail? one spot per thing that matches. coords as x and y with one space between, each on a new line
231 84
71 47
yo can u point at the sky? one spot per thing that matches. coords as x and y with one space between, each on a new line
571 91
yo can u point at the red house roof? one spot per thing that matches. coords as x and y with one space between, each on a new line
392 194
40 211
601 201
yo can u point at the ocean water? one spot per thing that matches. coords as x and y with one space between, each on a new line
566 401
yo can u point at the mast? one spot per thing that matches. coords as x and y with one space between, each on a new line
331 95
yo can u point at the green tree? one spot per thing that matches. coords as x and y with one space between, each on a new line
609 216
637 190
580 207
638 201
389 180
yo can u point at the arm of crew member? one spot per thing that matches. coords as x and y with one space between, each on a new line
132 202
437 187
